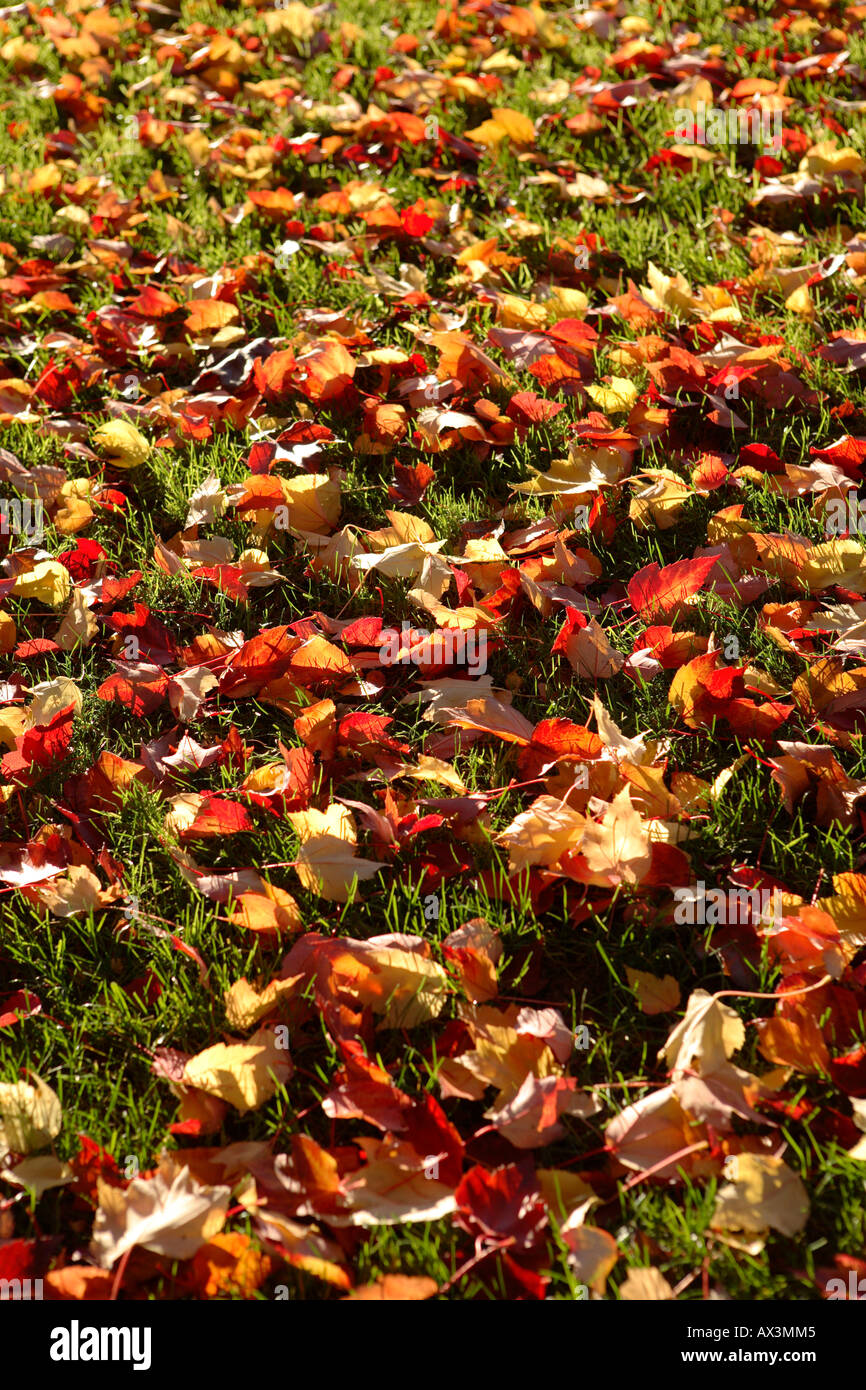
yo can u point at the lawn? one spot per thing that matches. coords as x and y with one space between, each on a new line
433 644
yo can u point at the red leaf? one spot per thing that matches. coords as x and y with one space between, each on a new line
140 687
18 1006
47 744
151 303
217 817
657 593
39 646
82 560
502 1204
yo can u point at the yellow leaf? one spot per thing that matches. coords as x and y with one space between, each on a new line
514 312
837 561
581 474
293 20
847 907
14 722
591 654
649 795
435 770
313 501
671 292
410 988
716 305
122 443
566 303
826 681
506 125
245 1006
78 626
656 996
48 582
700 153
30 1116
39 1174
762 1192
326 858
618 847
50 697
800 302
709 1034
273 910
243 1074
660 503
169 1213
403 530
541 834
825 158
75 512
79 890
518 128
619 394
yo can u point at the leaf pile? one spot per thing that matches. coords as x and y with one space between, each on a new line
434 674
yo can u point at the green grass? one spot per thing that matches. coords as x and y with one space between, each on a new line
93 1041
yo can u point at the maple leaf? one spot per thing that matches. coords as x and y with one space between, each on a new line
138 685
313 503
761 1192
505 124
393 1187
246 1006
588 649
196 817
30 1116
656 593
327 862
697 1053
79 627
392 974
618 846
207 503
400 1288
531 1118
169 1213
271 911
79 890
243 1074
657 996
653 1133
324 370
47 581
543 833
122 443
